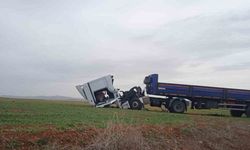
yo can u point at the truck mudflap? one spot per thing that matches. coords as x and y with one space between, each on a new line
248 111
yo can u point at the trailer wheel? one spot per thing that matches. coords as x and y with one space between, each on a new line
177 107
136 104
236 113
248 111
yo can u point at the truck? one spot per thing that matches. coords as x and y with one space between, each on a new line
101 93
176 98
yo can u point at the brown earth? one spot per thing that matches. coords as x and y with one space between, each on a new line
25 140
208 134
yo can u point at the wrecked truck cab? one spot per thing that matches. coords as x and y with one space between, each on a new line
101 93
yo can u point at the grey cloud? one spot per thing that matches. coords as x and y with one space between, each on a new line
46 48
207 36
235 67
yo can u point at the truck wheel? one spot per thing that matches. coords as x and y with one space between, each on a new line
248 111
136 104
236 113
178 107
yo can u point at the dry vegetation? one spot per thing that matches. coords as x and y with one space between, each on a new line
214 135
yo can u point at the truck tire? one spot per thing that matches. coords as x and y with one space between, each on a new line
136 104
177 107
236 113
248 111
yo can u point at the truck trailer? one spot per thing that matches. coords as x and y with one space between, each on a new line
173 97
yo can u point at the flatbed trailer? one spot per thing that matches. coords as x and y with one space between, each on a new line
174 97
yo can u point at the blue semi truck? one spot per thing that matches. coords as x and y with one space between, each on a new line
175 96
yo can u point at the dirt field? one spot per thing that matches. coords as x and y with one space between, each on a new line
27 124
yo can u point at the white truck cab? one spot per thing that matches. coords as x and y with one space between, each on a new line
101 93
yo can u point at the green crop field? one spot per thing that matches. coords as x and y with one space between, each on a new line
25 124
68 114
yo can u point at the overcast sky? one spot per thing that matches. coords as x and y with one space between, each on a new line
49 46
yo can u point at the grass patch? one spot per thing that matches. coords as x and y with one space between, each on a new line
64 115
37 115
